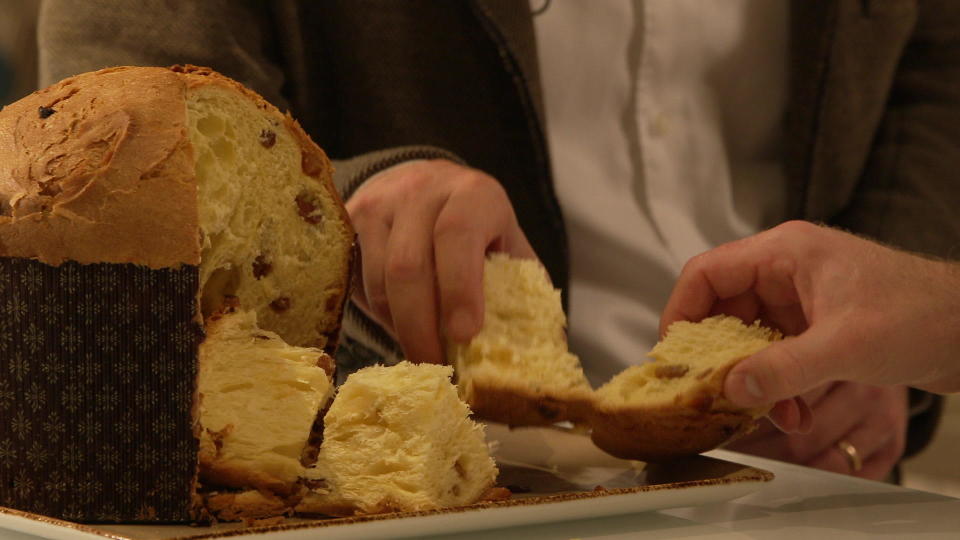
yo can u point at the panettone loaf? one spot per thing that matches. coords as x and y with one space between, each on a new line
132 202
517 369
674 405
398 438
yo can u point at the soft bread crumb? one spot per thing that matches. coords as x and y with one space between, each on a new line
518 371
271 234
399 439
690 361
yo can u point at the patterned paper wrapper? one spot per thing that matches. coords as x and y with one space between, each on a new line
97 384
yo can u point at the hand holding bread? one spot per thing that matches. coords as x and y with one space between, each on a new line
423 228
857 311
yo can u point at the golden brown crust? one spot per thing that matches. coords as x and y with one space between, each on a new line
223 473
98 168
332 331
521 407
116 135
697 420
669 433
325 504
250 504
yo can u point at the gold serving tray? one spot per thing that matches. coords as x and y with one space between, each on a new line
555 476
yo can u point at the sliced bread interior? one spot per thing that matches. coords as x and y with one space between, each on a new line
273 230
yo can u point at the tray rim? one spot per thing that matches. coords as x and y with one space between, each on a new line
748 475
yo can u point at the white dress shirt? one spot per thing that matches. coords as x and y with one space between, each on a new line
664 122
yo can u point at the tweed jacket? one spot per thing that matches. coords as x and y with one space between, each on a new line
872 128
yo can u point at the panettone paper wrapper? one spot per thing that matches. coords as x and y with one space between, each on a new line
97 383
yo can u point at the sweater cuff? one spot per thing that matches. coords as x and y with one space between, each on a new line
350 174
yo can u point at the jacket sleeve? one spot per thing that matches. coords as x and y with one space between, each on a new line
234 37
910 191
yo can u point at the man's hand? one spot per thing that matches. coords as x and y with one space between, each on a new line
424 228
873 419
856 311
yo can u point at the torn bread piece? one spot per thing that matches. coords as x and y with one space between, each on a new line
673 406
518 370
398 439
259 402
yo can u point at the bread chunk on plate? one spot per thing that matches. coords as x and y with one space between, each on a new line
398 438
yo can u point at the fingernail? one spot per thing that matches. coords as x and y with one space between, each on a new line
461 326
752 386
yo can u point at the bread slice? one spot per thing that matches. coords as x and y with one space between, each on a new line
398 438
259 400
517 369
674 406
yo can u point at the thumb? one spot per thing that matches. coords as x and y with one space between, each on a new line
783 370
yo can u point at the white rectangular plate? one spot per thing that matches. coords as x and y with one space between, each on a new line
555 476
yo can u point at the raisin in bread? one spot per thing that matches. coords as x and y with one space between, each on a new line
674 405
517 369
132 202
398 438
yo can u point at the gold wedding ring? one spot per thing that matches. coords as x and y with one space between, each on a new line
849 451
